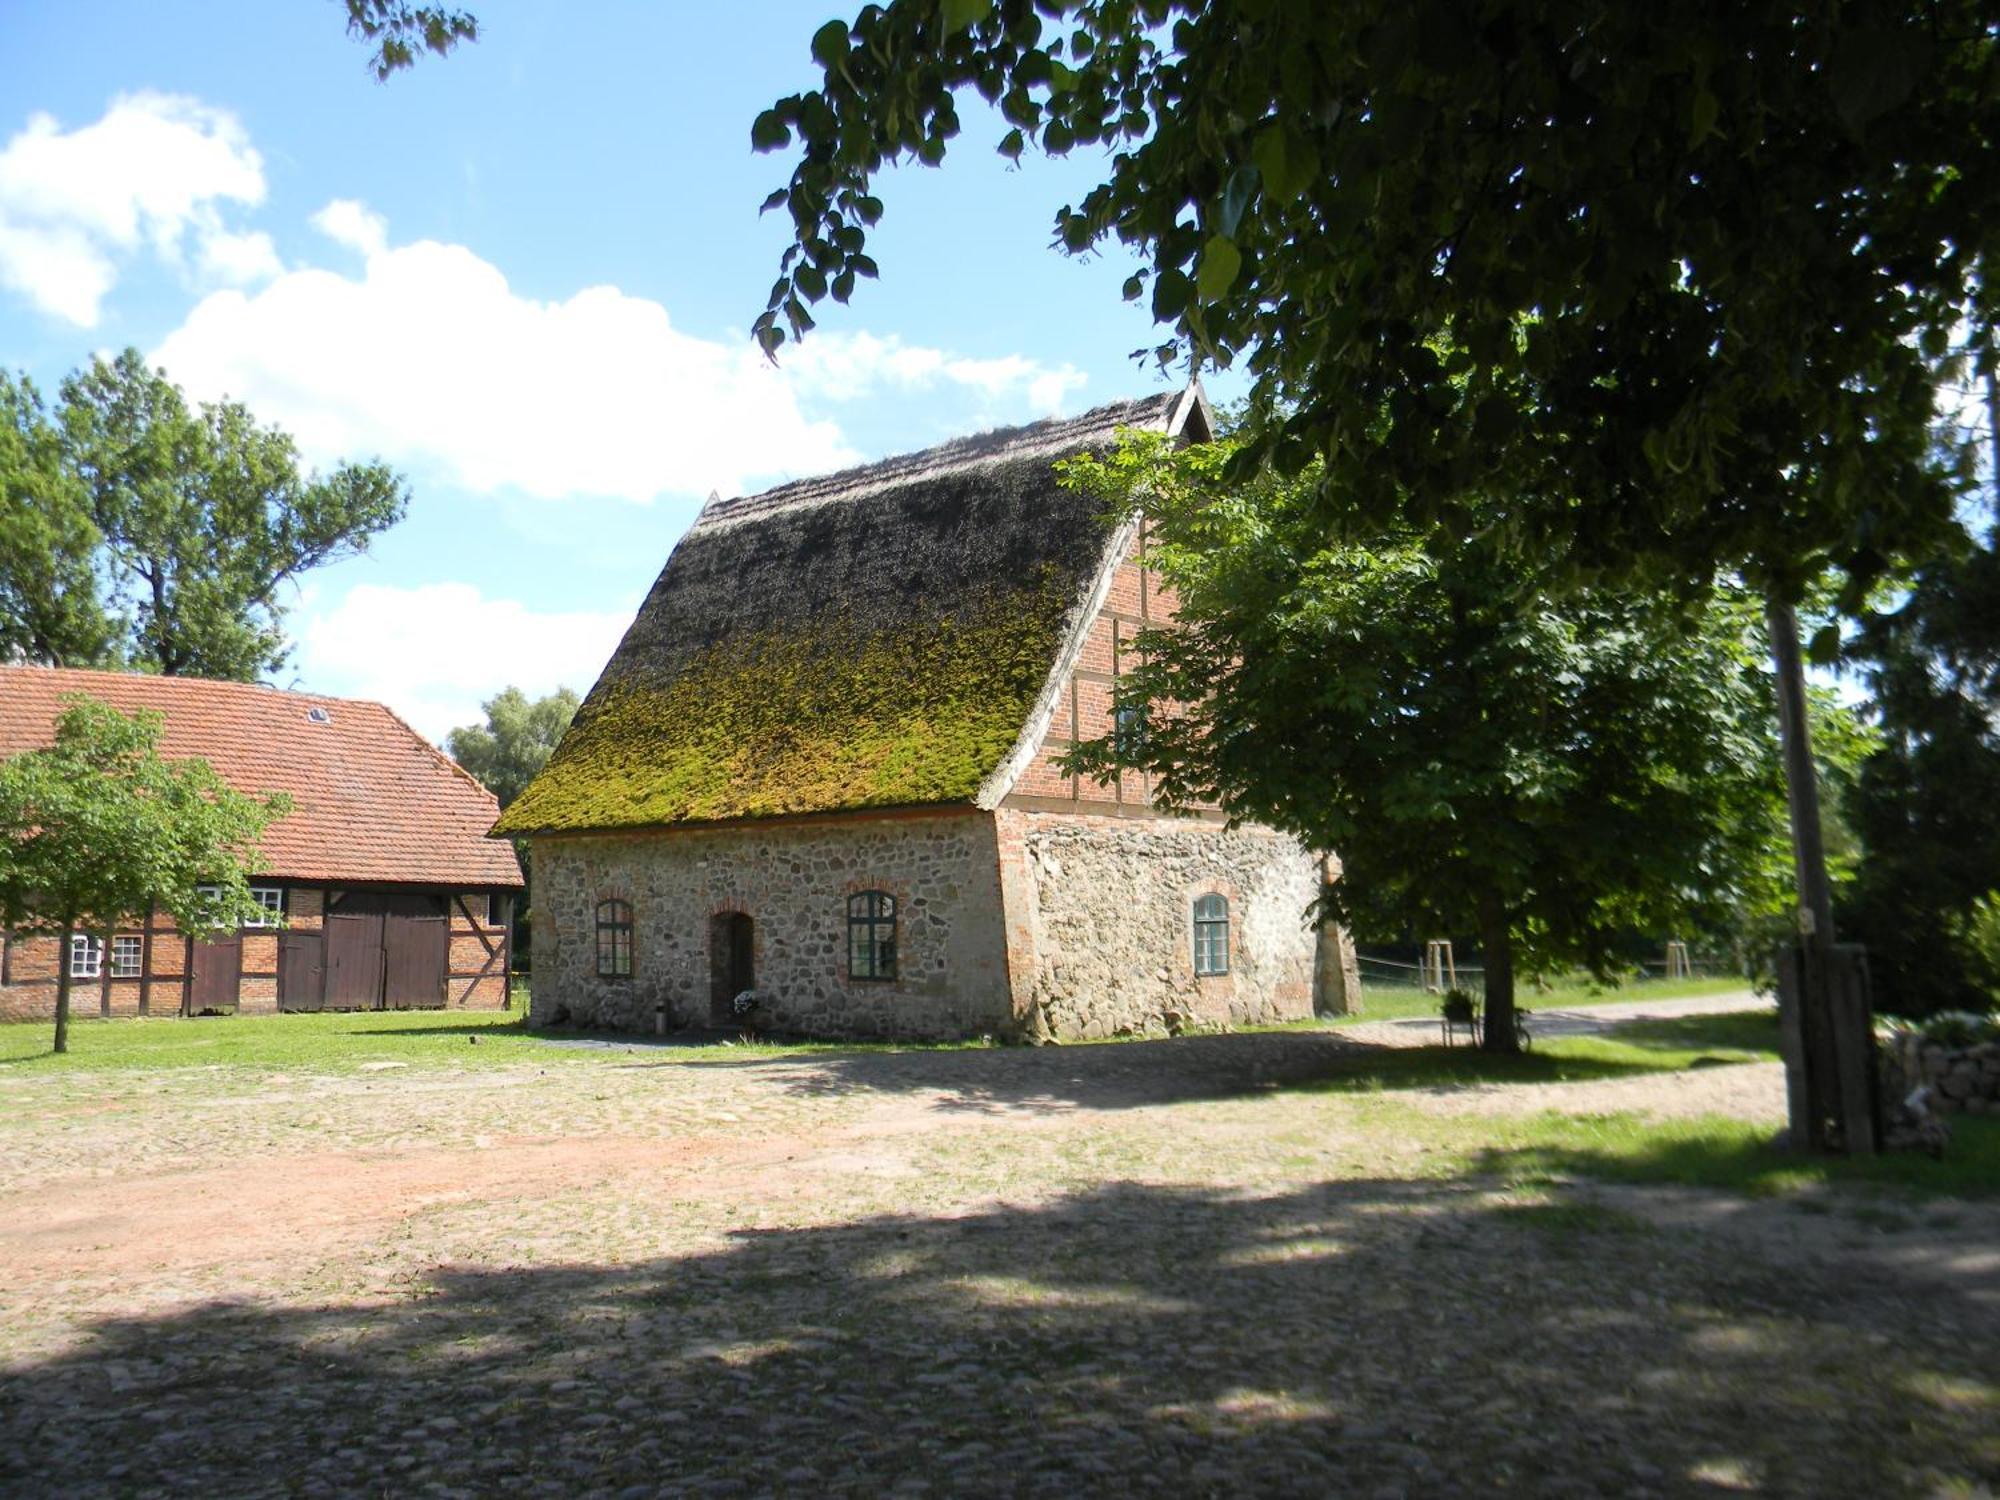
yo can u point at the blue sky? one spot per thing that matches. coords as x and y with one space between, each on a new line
523 276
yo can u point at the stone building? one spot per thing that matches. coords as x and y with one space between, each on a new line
821 768
380 887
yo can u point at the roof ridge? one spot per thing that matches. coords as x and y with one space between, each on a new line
176 679
1056 434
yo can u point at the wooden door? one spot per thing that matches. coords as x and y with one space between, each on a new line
301 971
353 978
215 974
414 949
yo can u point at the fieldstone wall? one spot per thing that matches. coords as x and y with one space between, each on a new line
1102 924
1961 1079
793 881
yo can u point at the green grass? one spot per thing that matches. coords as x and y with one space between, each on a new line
351 1041
340 1042
1711 1153
1636 1047
1381 1002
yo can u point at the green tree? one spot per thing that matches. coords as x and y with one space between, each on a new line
516 740
1551 775
205 516
1927 803
51 608
99 824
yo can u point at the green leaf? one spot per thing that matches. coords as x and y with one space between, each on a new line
1271 153
1237 195
1824 647
962 14
769 131
1220 261
829 45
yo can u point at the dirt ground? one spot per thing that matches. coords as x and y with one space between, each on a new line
1173 1267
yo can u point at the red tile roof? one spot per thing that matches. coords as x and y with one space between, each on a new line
371 798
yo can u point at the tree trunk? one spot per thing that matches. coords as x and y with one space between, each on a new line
62 988
1496 949
1837 1042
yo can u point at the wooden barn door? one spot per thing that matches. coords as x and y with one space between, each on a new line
301 971
386 950
215 975
353 959
415 944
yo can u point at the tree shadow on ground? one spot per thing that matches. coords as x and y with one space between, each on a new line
1345 1337
1140 1073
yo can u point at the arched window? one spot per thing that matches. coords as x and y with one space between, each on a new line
871 935
1211 934
614 939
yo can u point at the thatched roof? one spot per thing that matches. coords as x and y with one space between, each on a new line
879 637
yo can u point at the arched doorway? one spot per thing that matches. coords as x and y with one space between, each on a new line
732 962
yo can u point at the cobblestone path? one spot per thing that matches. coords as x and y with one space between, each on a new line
1184 1268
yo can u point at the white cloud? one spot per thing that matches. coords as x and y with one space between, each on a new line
355 225
153 172
428 358
239 259
435 652
847 367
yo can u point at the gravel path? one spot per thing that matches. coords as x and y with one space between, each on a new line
1176 1267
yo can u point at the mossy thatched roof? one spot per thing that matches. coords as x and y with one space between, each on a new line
874 638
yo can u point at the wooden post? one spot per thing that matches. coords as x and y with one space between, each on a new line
1834 1064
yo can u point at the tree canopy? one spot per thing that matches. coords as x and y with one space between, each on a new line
516 740
99 824
1668 276
1550 773
137 531
51 604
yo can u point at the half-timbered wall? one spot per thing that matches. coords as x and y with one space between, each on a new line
476 963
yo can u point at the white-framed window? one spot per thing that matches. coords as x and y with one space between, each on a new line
1211 934
128 957
270 898
86 956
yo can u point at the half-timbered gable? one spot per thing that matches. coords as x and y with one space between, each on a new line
819 778
380 886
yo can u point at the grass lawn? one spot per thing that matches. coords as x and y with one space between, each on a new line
337 1042
1385 1002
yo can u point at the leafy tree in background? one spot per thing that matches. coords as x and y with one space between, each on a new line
51 605
1549 775
204 516
515 742
98 825
505 753
1927 803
